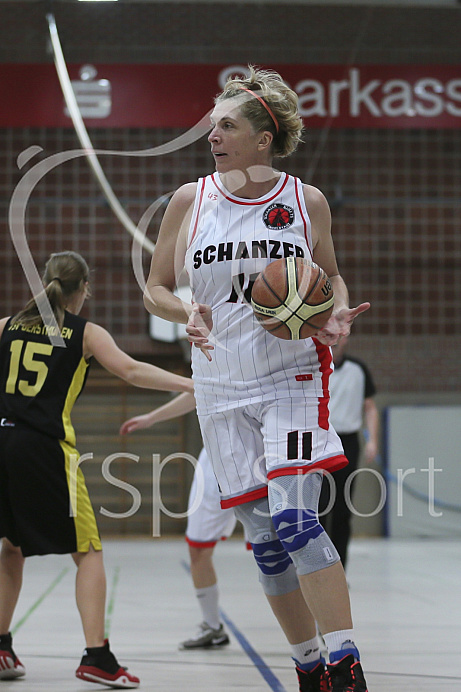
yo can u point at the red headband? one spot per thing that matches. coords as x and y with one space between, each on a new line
265 106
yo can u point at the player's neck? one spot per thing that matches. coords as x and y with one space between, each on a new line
242 185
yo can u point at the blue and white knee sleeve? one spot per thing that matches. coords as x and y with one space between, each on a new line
277 573
293 502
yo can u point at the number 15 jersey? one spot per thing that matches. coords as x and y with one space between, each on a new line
230 241
39 382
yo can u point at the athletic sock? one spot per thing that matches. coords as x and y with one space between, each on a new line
6 639
208 602
306 654
340 644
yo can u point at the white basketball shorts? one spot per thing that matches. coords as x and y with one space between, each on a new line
207 522
250 445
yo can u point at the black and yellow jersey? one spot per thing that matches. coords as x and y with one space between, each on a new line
39 382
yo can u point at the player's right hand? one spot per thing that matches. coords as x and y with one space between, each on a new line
199 326
136 423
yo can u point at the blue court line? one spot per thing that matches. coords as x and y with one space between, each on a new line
271 679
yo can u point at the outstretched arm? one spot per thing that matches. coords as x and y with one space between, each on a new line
179 406
99 343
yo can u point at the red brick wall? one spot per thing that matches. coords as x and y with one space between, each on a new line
397 228
395 195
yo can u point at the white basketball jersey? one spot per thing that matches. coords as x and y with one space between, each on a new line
231 240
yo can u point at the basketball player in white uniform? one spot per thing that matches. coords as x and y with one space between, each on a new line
263 402
207 523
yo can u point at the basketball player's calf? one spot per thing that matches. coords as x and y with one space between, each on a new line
277 575
293 502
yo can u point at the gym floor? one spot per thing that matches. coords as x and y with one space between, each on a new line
405 599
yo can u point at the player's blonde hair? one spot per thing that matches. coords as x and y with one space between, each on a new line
280 109
65 274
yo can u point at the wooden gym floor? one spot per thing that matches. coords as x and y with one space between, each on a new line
405 598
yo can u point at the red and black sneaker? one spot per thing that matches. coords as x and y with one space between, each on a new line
315 680
99 664
347 675
10 665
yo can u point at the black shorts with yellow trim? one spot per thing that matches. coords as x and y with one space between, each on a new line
44 503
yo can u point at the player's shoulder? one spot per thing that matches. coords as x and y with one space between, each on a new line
185 195
316 202
313 195
96 331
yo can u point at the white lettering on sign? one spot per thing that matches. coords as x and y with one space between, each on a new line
427 97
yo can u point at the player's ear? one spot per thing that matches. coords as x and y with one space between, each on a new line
265 140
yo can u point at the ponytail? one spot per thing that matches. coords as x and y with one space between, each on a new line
65 274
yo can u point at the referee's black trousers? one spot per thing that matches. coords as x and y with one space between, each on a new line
337 522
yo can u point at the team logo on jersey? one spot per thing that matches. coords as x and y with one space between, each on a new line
277 217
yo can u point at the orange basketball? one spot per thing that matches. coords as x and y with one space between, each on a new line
292 298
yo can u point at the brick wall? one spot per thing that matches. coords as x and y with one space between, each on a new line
395 195
397 229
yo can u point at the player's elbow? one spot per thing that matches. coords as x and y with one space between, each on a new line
154 297
125 367
148 300
132 374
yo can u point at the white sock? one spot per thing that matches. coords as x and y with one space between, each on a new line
208 602
340 643
306 653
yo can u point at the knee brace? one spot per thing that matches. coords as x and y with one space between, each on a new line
293 501
277 573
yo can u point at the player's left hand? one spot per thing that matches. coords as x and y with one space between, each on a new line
339 324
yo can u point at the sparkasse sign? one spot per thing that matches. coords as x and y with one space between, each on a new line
382 97
338 96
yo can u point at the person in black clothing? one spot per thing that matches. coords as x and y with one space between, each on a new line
351 405
44 503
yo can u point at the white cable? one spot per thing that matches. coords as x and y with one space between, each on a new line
85 141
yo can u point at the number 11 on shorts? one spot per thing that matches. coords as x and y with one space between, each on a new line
293 445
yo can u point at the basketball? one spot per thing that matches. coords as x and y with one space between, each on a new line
292 298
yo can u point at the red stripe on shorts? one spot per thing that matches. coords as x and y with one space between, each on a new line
201 544
246 497
339 461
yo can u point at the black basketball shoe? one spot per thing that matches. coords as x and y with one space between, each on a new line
315 680
99 664
10 665
347 675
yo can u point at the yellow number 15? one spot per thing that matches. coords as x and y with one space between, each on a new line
35 366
